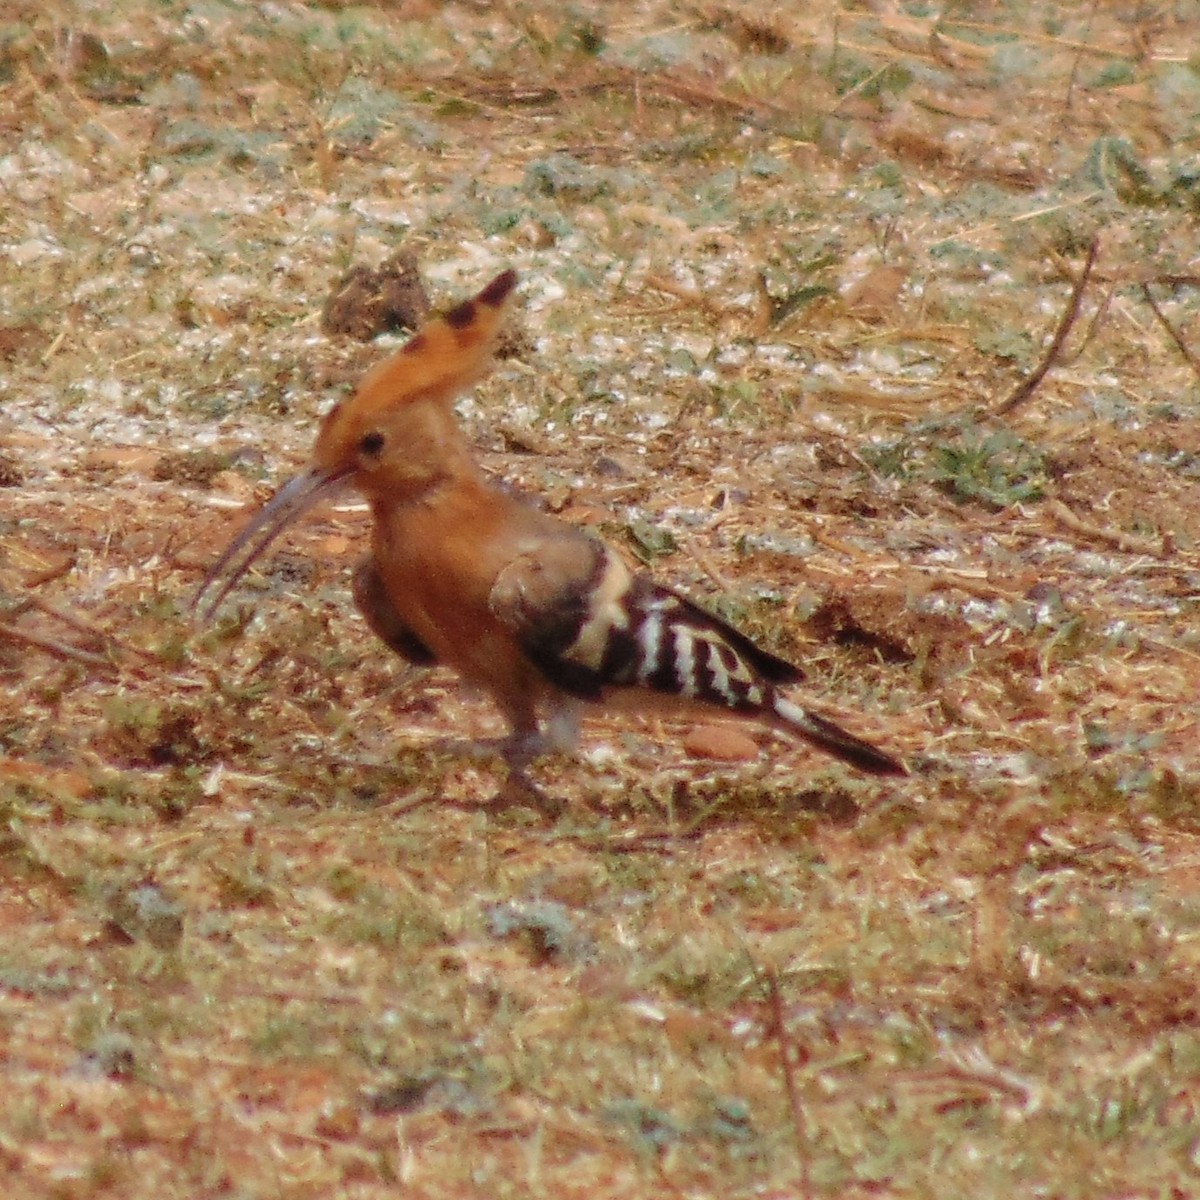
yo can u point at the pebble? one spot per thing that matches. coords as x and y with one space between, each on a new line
720 742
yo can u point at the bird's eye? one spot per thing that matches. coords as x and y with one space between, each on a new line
371 443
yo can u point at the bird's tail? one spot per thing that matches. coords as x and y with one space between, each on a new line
833 739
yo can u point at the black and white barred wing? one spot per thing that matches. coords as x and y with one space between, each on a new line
591 625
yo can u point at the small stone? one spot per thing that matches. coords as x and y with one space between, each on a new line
338 1119
334 546
128 460
145 913
12 474
365 303
720 742
191 468
234 485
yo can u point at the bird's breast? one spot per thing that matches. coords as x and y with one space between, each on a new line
438 569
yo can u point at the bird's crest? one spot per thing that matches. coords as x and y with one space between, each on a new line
443 358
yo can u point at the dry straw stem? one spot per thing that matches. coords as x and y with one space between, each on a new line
1128 542
1189 357
787 1069
84 625
1029 385
58 649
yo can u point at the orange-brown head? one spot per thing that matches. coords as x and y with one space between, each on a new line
395 437
398 430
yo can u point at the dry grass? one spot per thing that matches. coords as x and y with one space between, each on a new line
777 275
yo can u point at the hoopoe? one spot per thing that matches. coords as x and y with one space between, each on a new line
540 614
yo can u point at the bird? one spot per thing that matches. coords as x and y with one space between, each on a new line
540 614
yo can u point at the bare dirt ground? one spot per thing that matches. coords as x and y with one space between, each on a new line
782 277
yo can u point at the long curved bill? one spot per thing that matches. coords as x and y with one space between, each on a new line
292 500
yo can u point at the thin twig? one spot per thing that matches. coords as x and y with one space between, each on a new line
689 295
1087 30
1027 386
1098 319
1172 332
788 1068
1128 542
84 625
58 649
705 563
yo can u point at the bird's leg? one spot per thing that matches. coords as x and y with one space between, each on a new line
528 742
523 745
561 735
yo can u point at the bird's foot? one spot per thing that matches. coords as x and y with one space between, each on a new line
519 791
